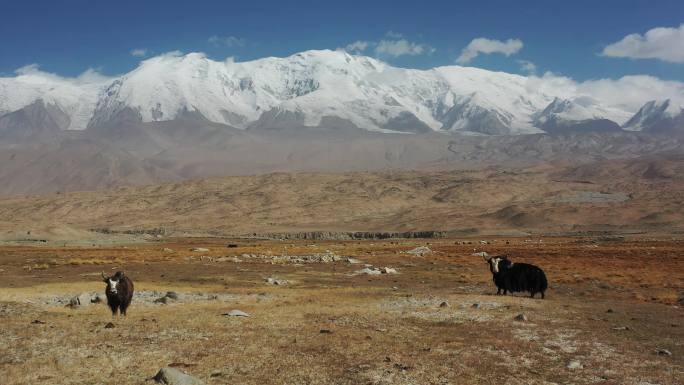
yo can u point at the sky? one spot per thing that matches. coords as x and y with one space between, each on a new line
582 40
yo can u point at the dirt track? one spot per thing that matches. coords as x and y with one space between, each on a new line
611 305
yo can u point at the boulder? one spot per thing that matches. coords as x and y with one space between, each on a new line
236 313
420 251
275 281
172 376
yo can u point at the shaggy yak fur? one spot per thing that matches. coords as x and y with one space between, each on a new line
119 292
516 277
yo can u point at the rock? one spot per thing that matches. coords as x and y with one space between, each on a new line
74 302
663 352
353 261
199 249
167 250
480 254
82 299
574 364
369 271
109 325
171 294
484 242
38 322
96 299
236 313
477 306
420 251
232 245
172 376
521 318
621 328
388 270
444 304
609 311
326 331
276 282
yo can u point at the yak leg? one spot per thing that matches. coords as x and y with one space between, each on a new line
498 291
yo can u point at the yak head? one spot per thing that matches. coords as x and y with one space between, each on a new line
497 263
113 281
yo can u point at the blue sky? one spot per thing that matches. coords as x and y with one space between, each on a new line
568 37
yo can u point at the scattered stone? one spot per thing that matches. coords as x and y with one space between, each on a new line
353 261
609 311
387 359
444 304
38 322
620 328
96 299
484 242
369 271
663 352
377 270
172 295
574 364
199 249
402 367
236 313
326 331
109 325
521 318
232 245
276 282
481 254
477 306
167 250
74 302
420 251
172 376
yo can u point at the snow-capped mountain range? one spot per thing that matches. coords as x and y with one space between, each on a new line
327 89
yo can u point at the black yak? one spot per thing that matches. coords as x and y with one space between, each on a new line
516 277
119 292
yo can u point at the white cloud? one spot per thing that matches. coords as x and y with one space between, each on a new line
88 76
139 52
527 66
483 45
227 41
662 43
393 45
357 46
627 92
401 47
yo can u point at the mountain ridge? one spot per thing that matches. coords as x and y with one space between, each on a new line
314 89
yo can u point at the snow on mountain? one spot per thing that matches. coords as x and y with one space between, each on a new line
658 115
580 114
313 88
75 97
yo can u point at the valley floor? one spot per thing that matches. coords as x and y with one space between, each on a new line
613 315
